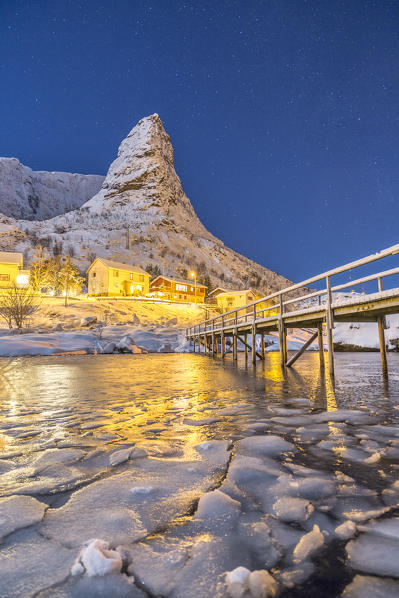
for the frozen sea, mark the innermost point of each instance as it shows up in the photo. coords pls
(159, 475)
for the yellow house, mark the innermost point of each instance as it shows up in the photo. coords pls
(229, 300)
(11, 269)
(106, 277)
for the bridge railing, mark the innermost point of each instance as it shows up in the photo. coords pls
(276, 306)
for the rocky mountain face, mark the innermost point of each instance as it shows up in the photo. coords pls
(32, 195)
(141, 215)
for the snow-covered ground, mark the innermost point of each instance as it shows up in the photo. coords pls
(152, 327)
(90, 326)
(144, 488)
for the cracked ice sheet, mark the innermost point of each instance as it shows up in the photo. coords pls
(111, 509)
(366, 586)
(30, 563)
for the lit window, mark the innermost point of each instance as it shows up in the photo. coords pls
(181, 287)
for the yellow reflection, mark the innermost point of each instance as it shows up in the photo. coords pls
(273, 370)
(330, 395)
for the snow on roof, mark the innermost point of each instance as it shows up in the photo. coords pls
(9, 257)
(119, 266)
(190, 282)
(244, 291)
(218, 290)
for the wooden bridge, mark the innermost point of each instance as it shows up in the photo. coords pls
(316, 310)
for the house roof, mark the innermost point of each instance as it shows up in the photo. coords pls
(227, 293)
(9, 257)
(218, 290)
(119, 266)
(190, 282)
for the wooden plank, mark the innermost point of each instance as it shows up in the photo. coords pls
(302, 349)
(321, 345)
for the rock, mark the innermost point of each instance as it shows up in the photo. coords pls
(127, 345)
(88, 321)
(109, 348)
(31, 195)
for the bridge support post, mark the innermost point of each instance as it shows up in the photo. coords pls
(302, 349)
(282, 335)
(213, 344)
(383, 347)
(253, 343)
(246, 347)
(330, 326)
(321, 346)
(235, 345)
(381, 334)
(262, 346)
(194, 344)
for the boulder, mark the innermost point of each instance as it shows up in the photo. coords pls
(88, 321)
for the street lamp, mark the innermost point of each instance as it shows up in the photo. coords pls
(194, 275)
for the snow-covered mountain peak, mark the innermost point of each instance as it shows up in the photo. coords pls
(141, 215)
(141, 186)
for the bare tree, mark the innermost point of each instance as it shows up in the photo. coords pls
(38, 271)
(17, 305)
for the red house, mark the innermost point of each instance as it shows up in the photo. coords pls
(186, 291)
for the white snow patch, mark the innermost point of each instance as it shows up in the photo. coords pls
(96, 558)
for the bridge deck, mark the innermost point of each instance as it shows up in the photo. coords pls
(306, 311)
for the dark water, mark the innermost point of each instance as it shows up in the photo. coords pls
(167, 398)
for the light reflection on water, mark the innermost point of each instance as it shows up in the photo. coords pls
(129, 394)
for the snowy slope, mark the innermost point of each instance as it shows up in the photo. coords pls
(142, 197)
(32, 195)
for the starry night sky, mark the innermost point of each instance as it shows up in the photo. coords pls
(284, 114)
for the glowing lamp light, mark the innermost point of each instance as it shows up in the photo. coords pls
(22, 279)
